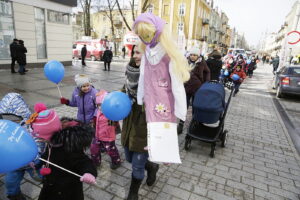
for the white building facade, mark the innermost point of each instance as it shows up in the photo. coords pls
(44, 26)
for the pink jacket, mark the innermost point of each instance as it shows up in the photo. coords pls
(104, 132)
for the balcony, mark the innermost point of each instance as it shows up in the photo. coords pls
(205, 21)
(203, 38)
(118, 23)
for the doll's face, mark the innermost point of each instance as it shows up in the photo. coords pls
(147, 37)
(85, 87)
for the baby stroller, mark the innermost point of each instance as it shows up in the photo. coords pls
(14, 108)
(209, 112)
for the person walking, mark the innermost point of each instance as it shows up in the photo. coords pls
(107, 57)
(275, 63)
(21, 57)
(214, 64)
(13, 54)
(134, 131)
(83, 55)
(124, 51)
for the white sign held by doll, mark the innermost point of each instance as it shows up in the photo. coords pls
(163, 142)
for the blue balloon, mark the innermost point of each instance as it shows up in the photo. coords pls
(116, 106)
(17, 147)
(235, 77)
(54, 71)
(226, 73)
(248, 61)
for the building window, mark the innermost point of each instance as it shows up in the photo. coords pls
(58, 17)
(182, 9)
(180, 27)
(166, 10)
(7, 32)
(150, 8)
(40, 33)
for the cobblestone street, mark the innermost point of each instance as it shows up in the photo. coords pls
(259, 161)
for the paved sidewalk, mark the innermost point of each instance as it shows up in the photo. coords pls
(259, 162)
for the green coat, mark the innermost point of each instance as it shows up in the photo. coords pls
(134, 129)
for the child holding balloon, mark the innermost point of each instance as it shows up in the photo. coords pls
(84, 98)
(105, 136)
(42, 125)
(238, 76)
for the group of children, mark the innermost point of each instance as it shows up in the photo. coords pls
(63, 142)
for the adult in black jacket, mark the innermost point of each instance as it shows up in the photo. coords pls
(67, 150)
(107, 57)
(214, 64)
(83, 55)
(13, 54)
(21, 57)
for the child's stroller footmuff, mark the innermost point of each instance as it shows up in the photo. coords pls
(209, 102)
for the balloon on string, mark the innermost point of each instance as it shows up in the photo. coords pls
(248, 61)
(54, 71)
(17, 147)
(235, 77)
(116, 106)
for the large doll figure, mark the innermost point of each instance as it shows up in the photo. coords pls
(163, 71)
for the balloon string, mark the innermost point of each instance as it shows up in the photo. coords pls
(48, 162)
(59, 90)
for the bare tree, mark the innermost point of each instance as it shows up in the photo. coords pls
(146, 5)
(124, 19)
(132, 4)
(86, 8)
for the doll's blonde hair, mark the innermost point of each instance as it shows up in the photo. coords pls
(179, 62)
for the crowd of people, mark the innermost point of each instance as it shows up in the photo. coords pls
(161, 84)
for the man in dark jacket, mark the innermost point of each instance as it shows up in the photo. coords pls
(107, 57)
(21, 57)
(214, 64)
(83, 55)
(13, 54)
(275, 62)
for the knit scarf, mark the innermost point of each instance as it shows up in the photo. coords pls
(132, 80)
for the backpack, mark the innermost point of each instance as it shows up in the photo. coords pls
(209, 102)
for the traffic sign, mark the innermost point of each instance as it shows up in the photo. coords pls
(292, 37)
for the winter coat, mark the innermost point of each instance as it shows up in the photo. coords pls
(199, 75)
(215, 66)
(107, 55)
(240, 73)
(86, 104)
(61, 185)
(104, 131)
(21, 56)
(13, 49)
(251, 66)
(83, 51)
(134, 129)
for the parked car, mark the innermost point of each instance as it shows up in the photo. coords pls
(287, 81)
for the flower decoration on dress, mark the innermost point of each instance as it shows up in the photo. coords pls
(160, 108)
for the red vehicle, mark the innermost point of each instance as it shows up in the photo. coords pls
(95, 48)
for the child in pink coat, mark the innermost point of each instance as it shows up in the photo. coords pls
(105, 136)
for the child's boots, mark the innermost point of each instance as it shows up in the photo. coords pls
(152, 169)
(134, 189)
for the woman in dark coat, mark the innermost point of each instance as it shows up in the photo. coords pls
(200, 73)
(21, 57)
(214, 64)
(134, 131)
(107, 58)
(67, 150)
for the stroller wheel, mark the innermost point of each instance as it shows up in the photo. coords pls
(213, 149)
(187, 144)
(224, 139)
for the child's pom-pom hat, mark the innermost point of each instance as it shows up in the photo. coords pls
(81, 79)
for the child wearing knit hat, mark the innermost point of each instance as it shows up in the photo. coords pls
(42, 125)
(84, 98)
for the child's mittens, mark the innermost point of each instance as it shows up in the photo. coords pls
(88, 178)
(45, 171)
(64, 101)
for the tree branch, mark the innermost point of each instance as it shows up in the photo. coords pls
(124, 19)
